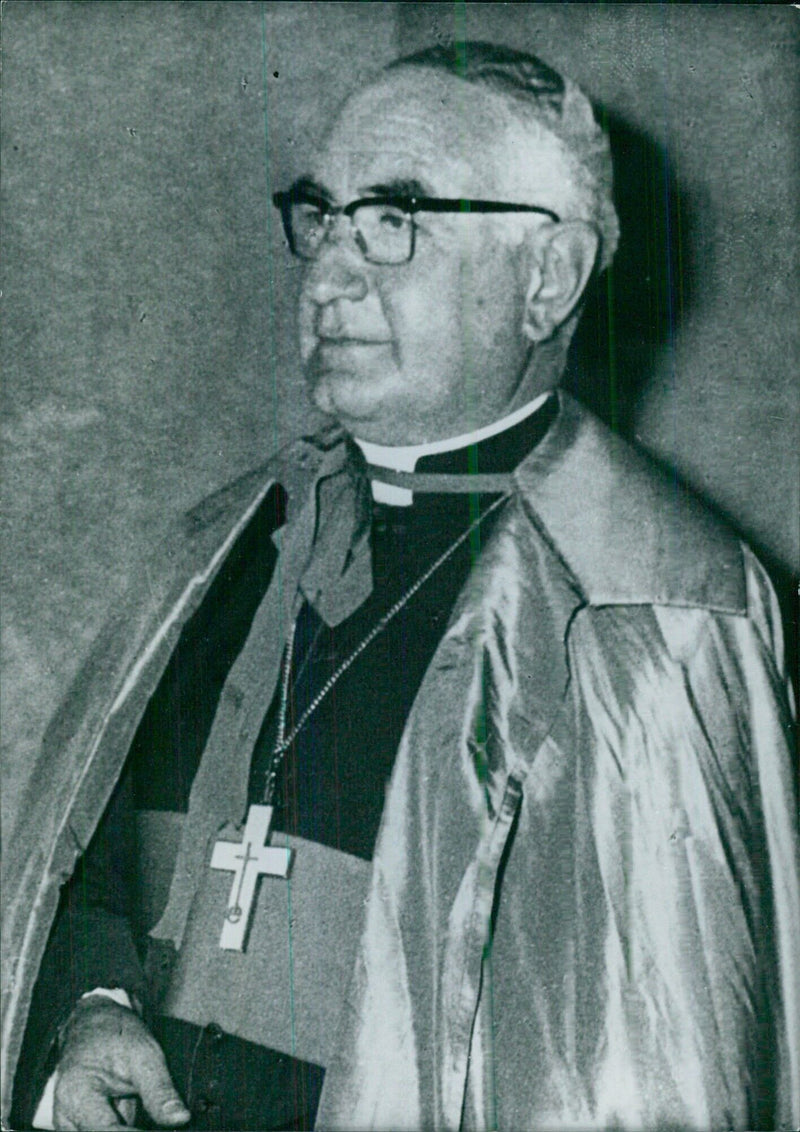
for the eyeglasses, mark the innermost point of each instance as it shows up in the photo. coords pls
(383, 227)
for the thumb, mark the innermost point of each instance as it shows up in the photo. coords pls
(157, 1092)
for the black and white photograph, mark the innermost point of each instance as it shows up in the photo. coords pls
(401, 540)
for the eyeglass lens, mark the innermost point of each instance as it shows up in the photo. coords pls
(383, 231)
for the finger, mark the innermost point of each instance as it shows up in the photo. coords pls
(158, 1095)
(79, 1107)
(126, 1108)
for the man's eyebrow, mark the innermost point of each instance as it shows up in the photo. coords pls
(400, 187)
(397, 187)
(312, 187)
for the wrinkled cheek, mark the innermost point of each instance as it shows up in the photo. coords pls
(423, 322)
(473, 326)
(487, 313)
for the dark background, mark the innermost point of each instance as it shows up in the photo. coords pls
(148, 339)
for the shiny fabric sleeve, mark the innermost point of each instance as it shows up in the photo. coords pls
(92, 945)
(684, 760)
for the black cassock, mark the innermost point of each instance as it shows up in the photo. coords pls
(331, 784)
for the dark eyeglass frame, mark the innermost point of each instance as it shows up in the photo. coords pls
(408, 205)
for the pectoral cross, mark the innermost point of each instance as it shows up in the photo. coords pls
(247, 860)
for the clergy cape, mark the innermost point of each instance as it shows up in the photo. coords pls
(584, 901)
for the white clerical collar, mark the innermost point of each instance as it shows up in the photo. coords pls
(404, 457)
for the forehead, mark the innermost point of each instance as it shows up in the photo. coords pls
(455, 138)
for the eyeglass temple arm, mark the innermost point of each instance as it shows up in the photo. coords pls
(443, 204)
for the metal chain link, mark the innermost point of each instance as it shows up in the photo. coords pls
(282, 741)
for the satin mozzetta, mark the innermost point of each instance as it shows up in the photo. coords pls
(584, 906)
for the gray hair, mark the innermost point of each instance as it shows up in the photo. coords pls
(535, 91)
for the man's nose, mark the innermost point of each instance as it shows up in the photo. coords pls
(339, 271)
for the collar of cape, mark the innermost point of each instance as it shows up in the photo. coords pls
(628, 531)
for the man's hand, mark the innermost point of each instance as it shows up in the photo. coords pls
(108, 1055)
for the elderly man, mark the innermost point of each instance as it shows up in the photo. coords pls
(477, 722)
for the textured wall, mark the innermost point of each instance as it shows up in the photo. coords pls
(702, 362)
(148, 340)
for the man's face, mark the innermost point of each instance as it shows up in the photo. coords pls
(434, 347)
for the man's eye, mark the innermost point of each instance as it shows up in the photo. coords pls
(391, 218)
(309, 214)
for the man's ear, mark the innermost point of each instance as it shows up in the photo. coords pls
(562, 264)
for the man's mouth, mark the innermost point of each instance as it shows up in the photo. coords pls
(344, 340)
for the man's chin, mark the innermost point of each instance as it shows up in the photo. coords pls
(341, 393)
